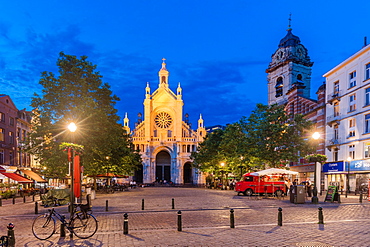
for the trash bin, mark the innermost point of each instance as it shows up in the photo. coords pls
(300, 194)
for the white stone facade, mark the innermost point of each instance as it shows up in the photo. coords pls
(348, 120)
(164, 139)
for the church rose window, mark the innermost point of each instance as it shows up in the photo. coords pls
(163, 120)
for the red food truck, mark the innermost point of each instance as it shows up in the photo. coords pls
(252, 183)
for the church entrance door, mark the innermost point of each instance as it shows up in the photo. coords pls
(187, 174)
(163, 166)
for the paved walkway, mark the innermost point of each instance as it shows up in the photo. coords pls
(205, 220)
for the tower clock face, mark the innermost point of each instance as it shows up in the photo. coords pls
(163, 120)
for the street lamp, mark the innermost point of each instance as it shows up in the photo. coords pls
(348, 164)
(315, 199)
(72, 127)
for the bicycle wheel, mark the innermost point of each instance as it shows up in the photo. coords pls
(84, 225)
(43, 227)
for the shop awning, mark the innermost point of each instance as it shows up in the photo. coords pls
(34, 176)
(16, 177)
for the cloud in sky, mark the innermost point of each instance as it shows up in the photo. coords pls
(217, 50)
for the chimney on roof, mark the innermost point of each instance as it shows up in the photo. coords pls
(365, 41)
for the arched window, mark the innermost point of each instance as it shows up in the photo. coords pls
(279, 87)
(299, 78)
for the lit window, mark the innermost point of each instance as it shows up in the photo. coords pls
(352, 123)
(2, 135)
(279, 87)
(2, 117)
(367, 149)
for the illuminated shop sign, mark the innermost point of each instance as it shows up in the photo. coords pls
(359, 165)
(333, 167)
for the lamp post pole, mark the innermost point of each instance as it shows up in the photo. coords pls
(315, 199)
(348, 165)
(72, 127)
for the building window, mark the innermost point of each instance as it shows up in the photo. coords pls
(352, 133)
(367, 71)
(11, 158)
(351, 153)
(11, 121)
(367, 123)
(336, 87)
(367, 149)
(1, 156)
(335, 154)
(367, 96)
(352, 123)
(2, 135)
(352, 102)
(11, 137)
(352, 79)
(336, 109)
(169, 133)
(2, 117)
(336, 132)
(279, 87)
(155, 133)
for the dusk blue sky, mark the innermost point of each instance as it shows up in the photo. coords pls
(218, 50)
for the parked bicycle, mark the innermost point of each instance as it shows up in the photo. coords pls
(83, 224)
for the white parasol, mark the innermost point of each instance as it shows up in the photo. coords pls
(274, 171)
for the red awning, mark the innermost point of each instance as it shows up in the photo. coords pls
(2, 169)
(34, 176)
(16, 177)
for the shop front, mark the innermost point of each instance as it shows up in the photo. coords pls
(361, 174)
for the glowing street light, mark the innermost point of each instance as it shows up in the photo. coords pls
(72, 127)
(315, 199)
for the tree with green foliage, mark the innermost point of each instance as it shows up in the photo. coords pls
(267, 137)
(78, 95)
(277, 138)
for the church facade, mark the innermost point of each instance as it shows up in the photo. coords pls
(164, 136)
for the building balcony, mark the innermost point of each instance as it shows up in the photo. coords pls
(333, 143)
(335, 96)
(335, 118)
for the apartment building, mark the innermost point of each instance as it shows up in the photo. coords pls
(348, 122)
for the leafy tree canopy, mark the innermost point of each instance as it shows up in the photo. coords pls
(78, 95)
(267, 137)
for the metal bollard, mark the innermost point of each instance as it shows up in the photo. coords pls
(63, 228)
(280, 217)
(106, 205)
(1, 202)
(360, 197)
(33, 197)
(339, 198)
(36, 208)
(232, 220)
(142, 204)
(14, 199)
(24, 199)
(11, 237)
(88, 199)
(125, 223)
(321, 216)
(173, 203)
(179, 221)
